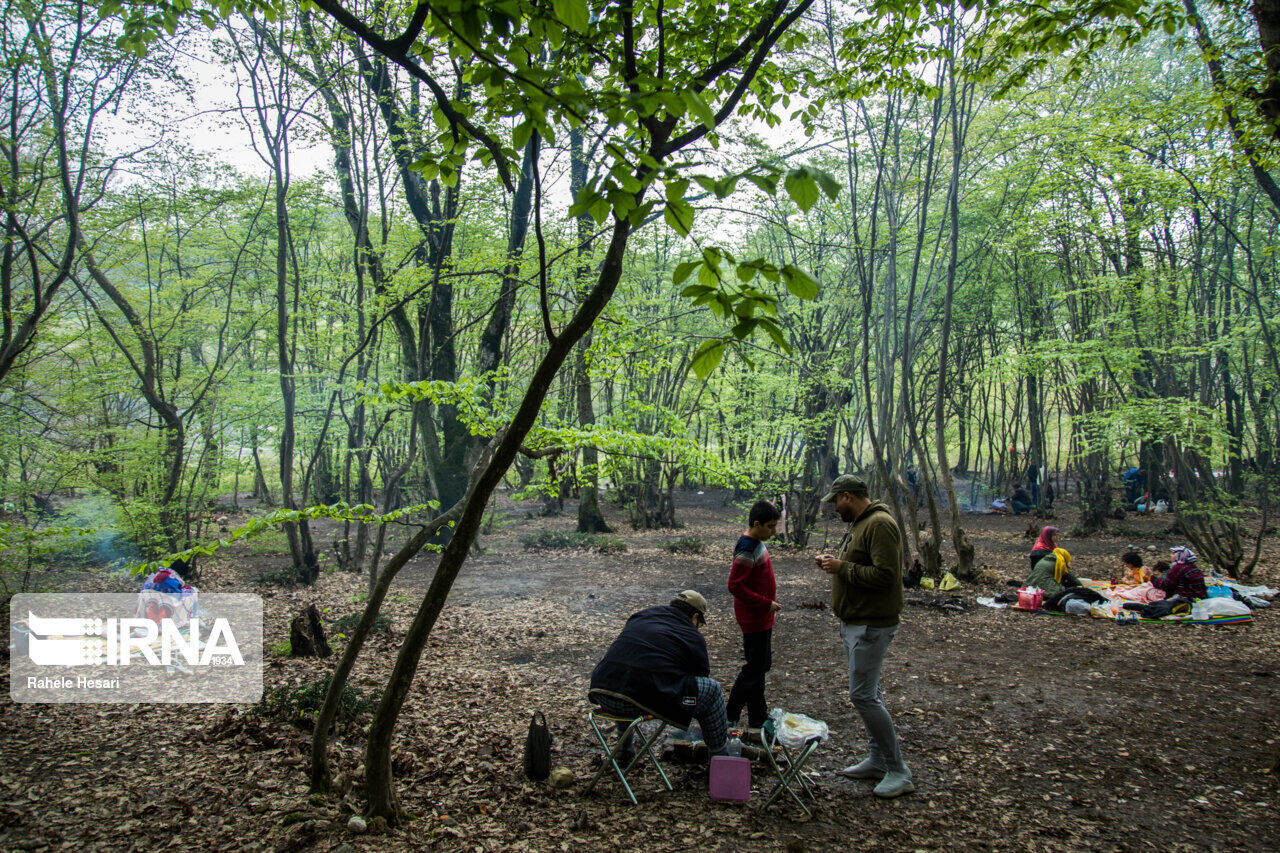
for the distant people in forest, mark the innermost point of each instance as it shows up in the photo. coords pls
(1047, 503)
(1134, 485)
(1163, 503)
(754, 590)
(1033, 481)
(1184, 578)
(1045, 544)
(1020, 500)
(1053, 573)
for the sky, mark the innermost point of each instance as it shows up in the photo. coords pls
(206, 120)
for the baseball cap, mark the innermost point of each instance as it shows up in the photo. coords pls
(846, 483)
(694, 599)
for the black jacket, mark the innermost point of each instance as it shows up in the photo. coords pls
(654, 664)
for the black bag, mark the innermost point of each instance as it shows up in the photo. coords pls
(1058, 603)
(537, 749)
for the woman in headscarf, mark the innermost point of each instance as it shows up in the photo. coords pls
(1184, 578)
(1045, 544)
(1052, 573)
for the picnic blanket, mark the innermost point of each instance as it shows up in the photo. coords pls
(1216, 610)
(1212, 620)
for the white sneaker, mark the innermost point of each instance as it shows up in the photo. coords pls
(894, 784)
(867, 768)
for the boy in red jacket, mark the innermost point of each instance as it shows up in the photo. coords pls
(754, 589)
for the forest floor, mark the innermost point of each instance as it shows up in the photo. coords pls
(1024, 732)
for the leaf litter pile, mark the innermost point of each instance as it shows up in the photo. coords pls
(1023, 732)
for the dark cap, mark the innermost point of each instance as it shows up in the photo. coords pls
(846, 483)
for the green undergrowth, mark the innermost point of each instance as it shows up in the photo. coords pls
(551, 540)
(298, 704)
(685, 545)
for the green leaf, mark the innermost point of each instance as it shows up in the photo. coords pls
(679, 215)
(800, 283)
(520, 136)
(725, 188)
(775, 333)
(428, 169)
(767, 183)
(599, 210)
(586, 198)
(707, 358)
(709, 275)
(827, 181)
(699, 109)
(683, 271)
(573, 13)
(802, 188)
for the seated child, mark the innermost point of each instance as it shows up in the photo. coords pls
(1132, 572)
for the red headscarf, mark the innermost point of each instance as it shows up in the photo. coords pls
(1045, 542)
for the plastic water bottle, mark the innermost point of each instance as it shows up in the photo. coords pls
(733, 747)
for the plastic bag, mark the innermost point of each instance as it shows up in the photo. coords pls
(795, 730)
(1207, 608)
(537, 749)
(948, 582)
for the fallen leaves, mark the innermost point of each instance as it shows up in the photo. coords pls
(1022, 732)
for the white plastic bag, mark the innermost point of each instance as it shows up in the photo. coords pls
(1259, 591)
(795, 730)
(1207, 608)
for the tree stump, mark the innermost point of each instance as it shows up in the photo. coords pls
(306, 635)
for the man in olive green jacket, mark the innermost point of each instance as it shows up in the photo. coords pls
(866, 595)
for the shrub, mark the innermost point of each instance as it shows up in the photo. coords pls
(347, 624)
(552, 540)
(609, 545)
(299, 704)
(277, 577)
(685, 545)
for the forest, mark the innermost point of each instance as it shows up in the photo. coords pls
(583, 261)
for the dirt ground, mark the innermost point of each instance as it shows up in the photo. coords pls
(1024, 732)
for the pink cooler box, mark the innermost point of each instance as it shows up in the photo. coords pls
(730, 779)
(1030, 600)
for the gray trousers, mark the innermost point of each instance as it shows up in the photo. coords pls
(865, 647)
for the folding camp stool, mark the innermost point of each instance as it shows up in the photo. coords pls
(791, 776)
(601, 720)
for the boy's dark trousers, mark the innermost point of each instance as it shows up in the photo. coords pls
(748, 689)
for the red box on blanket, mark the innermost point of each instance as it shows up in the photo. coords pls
(1030, 599)
(730, 779)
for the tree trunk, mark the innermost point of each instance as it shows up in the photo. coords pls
(590, 518)
(379, 784)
